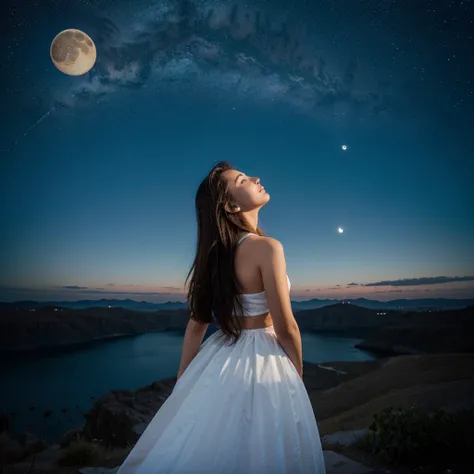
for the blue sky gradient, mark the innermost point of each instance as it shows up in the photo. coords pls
(97, 199)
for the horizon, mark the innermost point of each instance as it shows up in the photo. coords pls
(292, 300)
(422, 288)
(364, 146)
(418, 288)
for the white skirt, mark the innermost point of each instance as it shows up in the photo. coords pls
(237, 409)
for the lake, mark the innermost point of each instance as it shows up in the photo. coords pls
(68, 381)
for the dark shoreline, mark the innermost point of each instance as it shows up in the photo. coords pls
(64, 348)
(384, 350)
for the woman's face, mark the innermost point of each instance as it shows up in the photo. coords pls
(246, 191)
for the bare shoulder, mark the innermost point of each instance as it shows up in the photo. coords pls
(267, 247)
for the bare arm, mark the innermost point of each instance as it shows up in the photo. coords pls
(193, 337)
(273, 269)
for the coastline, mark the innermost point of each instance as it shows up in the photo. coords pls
(382, 349)
(61, 347)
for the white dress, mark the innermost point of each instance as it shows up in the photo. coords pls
(236, 409)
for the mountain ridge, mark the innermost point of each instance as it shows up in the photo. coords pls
(314, 303)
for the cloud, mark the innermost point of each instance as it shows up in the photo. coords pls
(352, 284)
(389, 291)
(421, 281)
(252, 53)
(101, 291)
(144, 293)
(83, 290)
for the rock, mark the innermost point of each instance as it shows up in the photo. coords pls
(339, 464)
(345, 438)
(70, 436)
(120, 417)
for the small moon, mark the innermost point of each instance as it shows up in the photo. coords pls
(340, 230)
(73, 52)
(344, 147)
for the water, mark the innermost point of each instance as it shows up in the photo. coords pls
(324, 348)
(69, 381)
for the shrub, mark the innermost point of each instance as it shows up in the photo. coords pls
(418, 437)
(81, 452)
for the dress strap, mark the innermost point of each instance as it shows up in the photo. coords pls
(244, 237)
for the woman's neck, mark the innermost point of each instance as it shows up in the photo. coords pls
(252, 218)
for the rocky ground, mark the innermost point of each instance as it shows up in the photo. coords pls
(345, 396)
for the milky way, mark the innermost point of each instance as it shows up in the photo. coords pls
(242, 50)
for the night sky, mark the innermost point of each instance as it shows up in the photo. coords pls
(99, 172)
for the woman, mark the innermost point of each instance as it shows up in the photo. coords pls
(239, 405)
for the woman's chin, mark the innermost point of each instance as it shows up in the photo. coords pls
(262, 200)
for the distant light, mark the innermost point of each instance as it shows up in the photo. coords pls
(344, 147)
(340, 230)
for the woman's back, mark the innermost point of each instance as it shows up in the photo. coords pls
(248, 270)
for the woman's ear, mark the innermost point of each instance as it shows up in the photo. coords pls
(232, 208)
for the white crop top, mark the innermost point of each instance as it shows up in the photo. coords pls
(254, 304)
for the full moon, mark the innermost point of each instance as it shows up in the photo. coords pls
(344, 147)
(73, 52)
(340, 230)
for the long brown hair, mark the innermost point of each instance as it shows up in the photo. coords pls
(213, 286)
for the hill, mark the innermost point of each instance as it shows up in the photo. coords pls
(445, 331)
(46, 327)
(51, 326)
(435, 380)
(395, 332)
